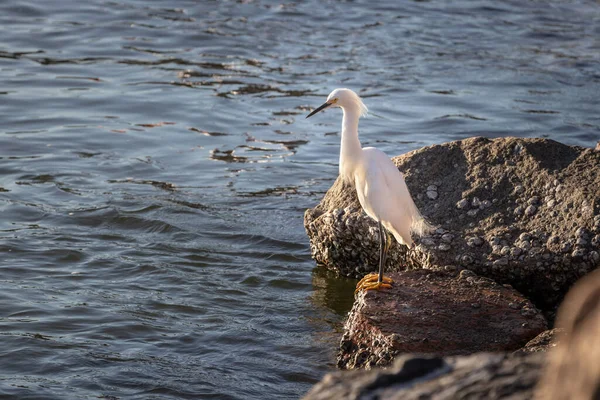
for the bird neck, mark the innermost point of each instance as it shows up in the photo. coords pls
(351, 150)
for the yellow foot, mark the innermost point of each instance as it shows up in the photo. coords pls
(369, 282)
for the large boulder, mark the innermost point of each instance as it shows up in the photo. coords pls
(525, 212)
(436, 312)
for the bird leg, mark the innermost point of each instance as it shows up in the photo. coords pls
(378, 281)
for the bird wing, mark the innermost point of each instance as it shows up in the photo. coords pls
(385, 196)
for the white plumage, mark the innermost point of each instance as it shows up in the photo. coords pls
(381, 189)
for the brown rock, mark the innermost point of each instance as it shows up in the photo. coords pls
(436, 312)
(573, 371)
(543, 342)
(480, 376)
(519, 211)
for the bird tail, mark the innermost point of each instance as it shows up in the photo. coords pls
(418, 226)
(421, 226)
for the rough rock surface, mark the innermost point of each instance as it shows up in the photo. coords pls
(543, 342)
(436, 312)
(570, 370)
(520, 211)
(480, 376)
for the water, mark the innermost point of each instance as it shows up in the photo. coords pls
(155, 164)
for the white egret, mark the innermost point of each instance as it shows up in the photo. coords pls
(380, 186)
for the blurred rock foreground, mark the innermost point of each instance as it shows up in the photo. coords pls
(518, 223)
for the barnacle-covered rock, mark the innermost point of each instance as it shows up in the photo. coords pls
(536, 198)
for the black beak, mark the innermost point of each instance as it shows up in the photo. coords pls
(322, 107)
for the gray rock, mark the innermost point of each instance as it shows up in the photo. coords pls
(502, 261)
(525, 236)
(530, 210)
(519, 189)
(444, 247)
(578, 253)
(566, 247)
(485, 169)
(428, 242)
(520, 210)
(448, 237)
(462, 204)
(431, 194)
(473, 212)
(417, 377)
(474, 241)
(582, 233)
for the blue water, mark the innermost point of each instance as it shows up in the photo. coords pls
(155, 165)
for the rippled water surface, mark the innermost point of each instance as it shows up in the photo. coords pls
(155, 164)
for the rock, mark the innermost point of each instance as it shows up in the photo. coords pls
(569, 370)
(473, 212)
(543, 342)
(484, 169)
(416, 377)
(530, 210)
(474, 241)
(444, 247)
(433, 312)
(463, 203)
(502, 261)
(573, 371)
(447, 237)
(432, 194)
(519, 189)
(525, 236)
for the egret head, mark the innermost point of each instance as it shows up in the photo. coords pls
(344, 98)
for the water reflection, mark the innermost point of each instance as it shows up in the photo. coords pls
(332, 292)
